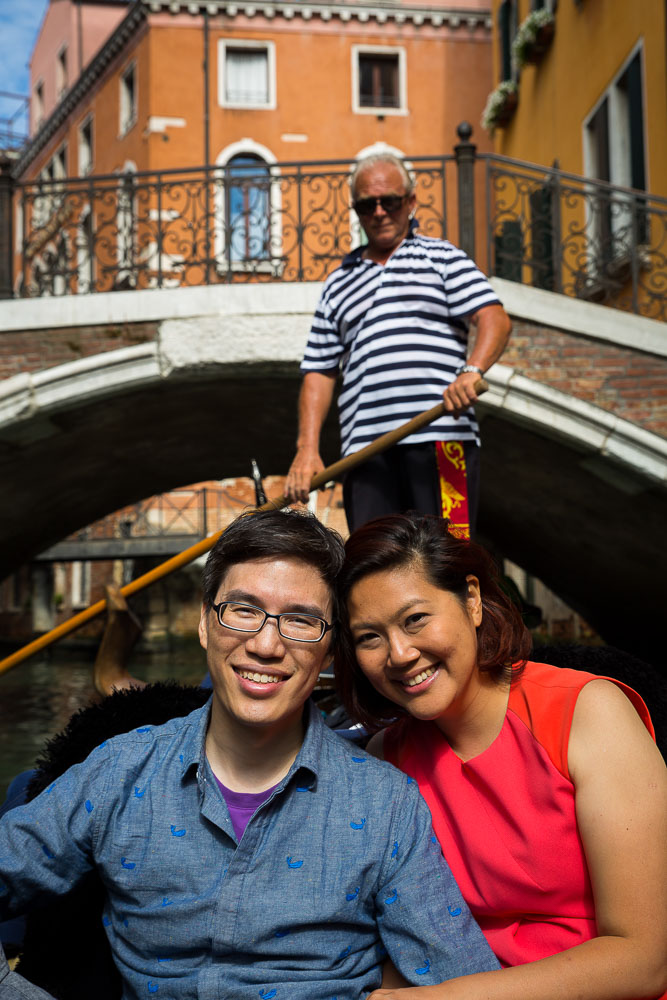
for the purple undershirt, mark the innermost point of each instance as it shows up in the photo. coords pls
(242, 805)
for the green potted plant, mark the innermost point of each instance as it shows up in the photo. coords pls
(500, 106)
(533, 37)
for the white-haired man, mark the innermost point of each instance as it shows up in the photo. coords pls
(395, 317)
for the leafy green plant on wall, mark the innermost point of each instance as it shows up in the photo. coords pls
(533, 37)
(500, 105)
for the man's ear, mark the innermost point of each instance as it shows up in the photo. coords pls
(203, 626)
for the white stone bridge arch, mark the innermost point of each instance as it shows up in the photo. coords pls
(571, 491)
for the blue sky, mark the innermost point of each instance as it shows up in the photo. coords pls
(20, 21)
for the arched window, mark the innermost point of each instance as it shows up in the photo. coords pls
(247, 212)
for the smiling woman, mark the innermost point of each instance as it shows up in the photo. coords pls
(512, 757)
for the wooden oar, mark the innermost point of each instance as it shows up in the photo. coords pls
(164, 569)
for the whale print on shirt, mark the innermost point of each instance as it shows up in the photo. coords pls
(293, 864)
(424, 969)
(89, 806)
(392, 899)
(352, 895)
(267, 994)
(358, 826)
(177, 833)
(454, 911)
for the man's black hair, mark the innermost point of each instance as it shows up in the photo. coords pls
(270, 534)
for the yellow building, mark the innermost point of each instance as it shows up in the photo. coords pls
(594, 101)
(581, 92)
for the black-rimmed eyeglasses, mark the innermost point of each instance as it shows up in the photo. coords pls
(390, 204)
(291, 624)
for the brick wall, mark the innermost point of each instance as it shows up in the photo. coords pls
(36, 350)
(630, 384)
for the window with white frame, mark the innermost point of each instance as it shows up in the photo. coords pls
(126, 228)
(86, 147)
(128, 98)
(246, 74)
(248, 205)
(61, 72)
(85, 258)
(379, 80)
(614, 151)
(38, 107)
(248, 208)
(80, 584)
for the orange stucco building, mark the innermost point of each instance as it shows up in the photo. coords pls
(170, 86)
(244, 90)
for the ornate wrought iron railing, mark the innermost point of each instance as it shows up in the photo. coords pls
(585, 238)
(293, 222)
(288, 222)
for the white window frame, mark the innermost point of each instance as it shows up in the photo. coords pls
(126, 220)
(250, 148)
(85, 273)
(80, 583)
(127, 116)
(619, 158)
(380, 50)
(62, 71)
(85, 169)
(38, 94)
(258, 45)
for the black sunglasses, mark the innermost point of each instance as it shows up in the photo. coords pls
(390, 204)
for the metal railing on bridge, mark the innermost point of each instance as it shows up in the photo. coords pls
(252, 221)
(158, 526)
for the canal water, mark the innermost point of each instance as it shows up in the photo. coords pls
(38, 697)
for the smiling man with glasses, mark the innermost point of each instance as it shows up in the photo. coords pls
(394, 317)
(246, 850)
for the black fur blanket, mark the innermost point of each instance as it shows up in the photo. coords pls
(65, 948)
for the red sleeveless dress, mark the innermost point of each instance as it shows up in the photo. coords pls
(506, 819)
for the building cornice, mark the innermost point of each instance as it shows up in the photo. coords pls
(344, 10)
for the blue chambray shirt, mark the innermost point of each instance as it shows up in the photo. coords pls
(337, 868)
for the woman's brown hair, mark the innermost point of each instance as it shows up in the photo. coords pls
(503, 642)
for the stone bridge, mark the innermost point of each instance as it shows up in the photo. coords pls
(109, 398)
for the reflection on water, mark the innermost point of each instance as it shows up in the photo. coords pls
(38, 697)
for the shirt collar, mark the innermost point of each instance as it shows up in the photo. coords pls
(308, 757)
(194, 738)
(354, 258)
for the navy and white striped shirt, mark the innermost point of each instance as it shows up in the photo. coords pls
(399, 332)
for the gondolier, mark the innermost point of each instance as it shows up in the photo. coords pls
(395, 317)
